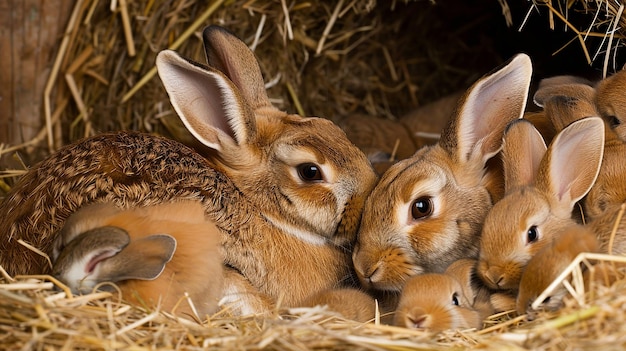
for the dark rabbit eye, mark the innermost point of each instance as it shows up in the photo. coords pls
(532, 234)
(455, 299)
(310, 172)
(614, 121)
(422, 207)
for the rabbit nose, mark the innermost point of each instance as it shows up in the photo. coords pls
(417, 320)
(369, 274)
(494, 277)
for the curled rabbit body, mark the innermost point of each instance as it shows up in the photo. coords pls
(545, 266)
(155, 254)
(440, 301)
(427, 211)
(285, 191)
(542, 187)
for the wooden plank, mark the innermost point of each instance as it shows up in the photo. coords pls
(30, 32)
(6, 72)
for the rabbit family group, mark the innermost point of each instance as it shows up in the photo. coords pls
(276, 210)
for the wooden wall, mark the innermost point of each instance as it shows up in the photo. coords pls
(30, 33)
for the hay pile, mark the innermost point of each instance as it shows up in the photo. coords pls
(39, 313)
(318, 58)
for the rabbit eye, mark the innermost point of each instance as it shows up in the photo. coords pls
(455, 299)
(532, 234)
(422, 207)
(310, 172)
(614, 121)
(546, 300)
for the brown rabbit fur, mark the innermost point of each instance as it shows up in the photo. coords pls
(352, 304)
(427, 211)
(285, 191)
(610, 100)
(549, 262)
(542, 187)
(377, 137)
(444, 301)
(567, 103)
(195, 266)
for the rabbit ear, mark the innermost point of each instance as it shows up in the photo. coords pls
(522, 151)
(564, 104)
(226, 53)
(208, 103)
(572, 163)
(142, 259)
(475, 132)
(85, 251)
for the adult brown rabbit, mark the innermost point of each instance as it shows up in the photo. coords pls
(285, 191)
(427, 211)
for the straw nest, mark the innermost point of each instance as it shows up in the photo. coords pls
(39, 313)
(318, 58)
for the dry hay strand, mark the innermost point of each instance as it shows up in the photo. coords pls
(604, 20)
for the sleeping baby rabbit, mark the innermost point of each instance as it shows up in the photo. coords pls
(155, 254)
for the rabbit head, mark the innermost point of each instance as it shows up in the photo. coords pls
(542, 187)
(427, 210)
(305, 168)
(441, 301)
(548, 263)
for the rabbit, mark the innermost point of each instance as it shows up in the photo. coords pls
(608, 97)
(285, 191)
(542, 186)
(426, 122)
(377, 137)
(386, 141)
(610, 100)
(441, 301)
(548, 263)
(567, 103)
(156, 254)
(427, 211)
(351, 303)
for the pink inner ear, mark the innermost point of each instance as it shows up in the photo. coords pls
(93, 262)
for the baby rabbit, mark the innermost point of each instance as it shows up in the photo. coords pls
(437, 301)
(427, 211)
(567, 103)
(542, 187)
(156, 254)
(548, 263)
(286, 192)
